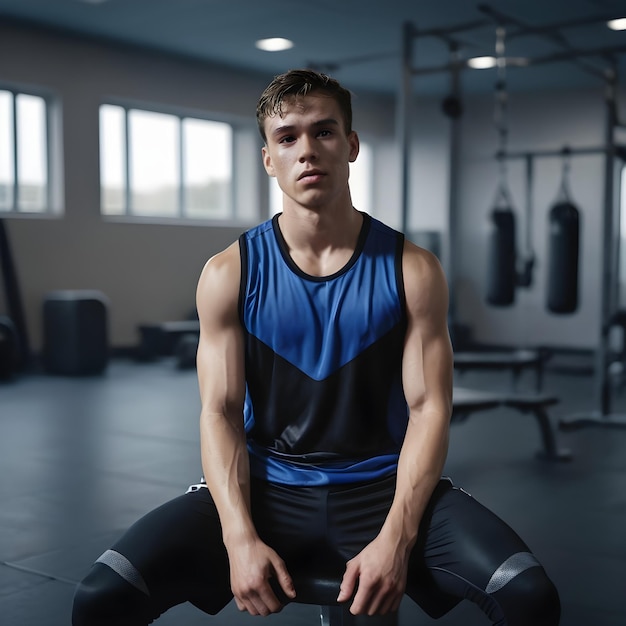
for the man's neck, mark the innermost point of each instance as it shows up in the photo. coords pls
(320, 242)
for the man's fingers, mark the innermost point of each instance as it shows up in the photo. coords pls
(262, 602)
(268, 602)
(284, 579)
(362, 600)
(375, 598)
(348, 583)
(286, 584)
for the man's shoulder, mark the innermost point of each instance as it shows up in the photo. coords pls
(259, 230)
(223, 265)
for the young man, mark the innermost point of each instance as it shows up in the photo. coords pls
(325, 373)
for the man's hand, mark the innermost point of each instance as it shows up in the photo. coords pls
(380, 571)
(252, 565)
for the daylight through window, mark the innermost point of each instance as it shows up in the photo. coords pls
(24, 185)
(161, 165)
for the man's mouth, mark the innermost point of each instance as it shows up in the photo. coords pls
(311, 175)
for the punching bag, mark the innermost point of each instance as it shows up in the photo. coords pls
(563, 252)
(501, 269)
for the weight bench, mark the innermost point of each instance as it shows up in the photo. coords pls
(468, 401)
(322, 588)
(163, 339)
(514, 360)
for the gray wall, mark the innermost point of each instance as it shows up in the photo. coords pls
(149, 271)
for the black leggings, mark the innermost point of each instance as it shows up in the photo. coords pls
(175, 554)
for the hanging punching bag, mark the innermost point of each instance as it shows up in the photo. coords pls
(501, 270)
(563, 250)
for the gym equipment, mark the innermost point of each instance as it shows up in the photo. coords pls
(75, 334)
(468, 401)
(501, 270)
(453, 38)
(186, 350)
(502, 267)
(162, 339)
(322, 588)
(506, 269)
(9, 353)
(514, 360)
(563, 244)
(603, 415)
(21, 345)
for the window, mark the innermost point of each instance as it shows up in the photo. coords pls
(24, 172)
(361, 175)
(162, 165)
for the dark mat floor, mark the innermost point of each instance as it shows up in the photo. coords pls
(82, 458)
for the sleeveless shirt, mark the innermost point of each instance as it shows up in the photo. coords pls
(323, 356)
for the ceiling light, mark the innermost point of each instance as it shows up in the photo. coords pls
(618, 24)
(482, 63)
(274, 44)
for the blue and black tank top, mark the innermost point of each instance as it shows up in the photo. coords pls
(324, 401)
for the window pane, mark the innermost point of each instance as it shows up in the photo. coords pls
(361, 179)
(207, 168)
(276, 196)
(31, 153)
(112, 160)
(6, 151)
(154, 164)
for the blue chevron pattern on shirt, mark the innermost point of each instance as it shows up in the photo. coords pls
(323, 358)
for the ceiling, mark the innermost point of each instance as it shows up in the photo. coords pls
(357, 41)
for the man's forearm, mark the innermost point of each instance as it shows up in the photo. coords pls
(227, 473)
(421, 463)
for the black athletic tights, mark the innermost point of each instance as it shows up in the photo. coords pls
(175, 554)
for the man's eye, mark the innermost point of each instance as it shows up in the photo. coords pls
(287, 139)
(324, 133)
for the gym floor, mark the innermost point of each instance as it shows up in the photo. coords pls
(82, 458)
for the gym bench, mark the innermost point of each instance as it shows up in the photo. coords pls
(468, 401)
(514, 360)
(158, 340)
(322, 588)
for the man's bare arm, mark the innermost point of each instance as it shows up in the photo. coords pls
(427, 380)
(221, 377)
(381, 568)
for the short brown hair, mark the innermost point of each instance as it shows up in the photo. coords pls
(301, 83)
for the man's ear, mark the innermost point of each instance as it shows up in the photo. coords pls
(267, 161)
(353, 141)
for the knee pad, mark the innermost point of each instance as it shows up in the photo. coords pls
(529, 599)
(104, 598)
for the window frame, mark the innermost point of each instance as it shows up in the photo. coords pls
(51, 184)
(180, 113)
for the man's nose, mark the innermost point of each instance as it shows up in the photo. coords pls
(308, 148)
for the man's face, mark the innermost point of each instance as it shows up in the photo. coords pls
(308, 151)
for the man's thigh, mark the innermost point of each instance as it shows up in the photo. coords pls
(179, 553)
(461, 546)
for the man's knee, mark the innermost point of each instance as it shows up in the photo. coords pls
(105, 598)
(530, 599)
